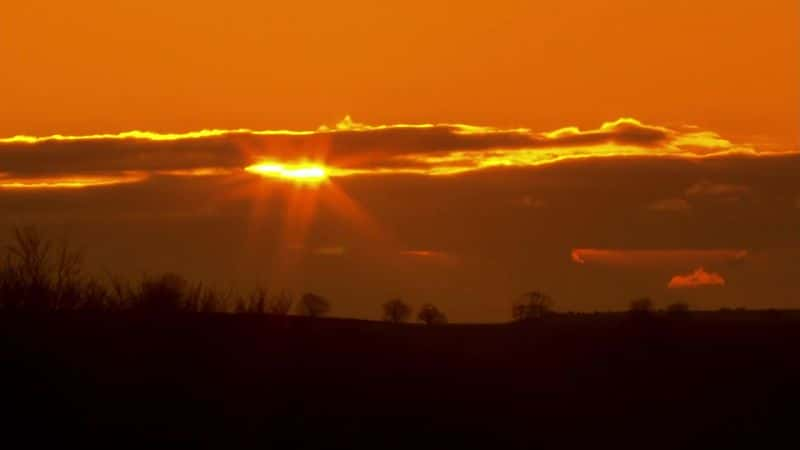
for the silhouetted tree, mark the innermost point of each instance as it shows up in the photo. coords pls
(396, 311)
(313, 305)
(121, 292)
(280, 304)
(96, 297)
(201, 298)
(35, 274)
(9, 286)
(532, 305)
(678, 309)
(255, 303)
(67, 284)
(430, 315)
(27, 269)
(641, 307)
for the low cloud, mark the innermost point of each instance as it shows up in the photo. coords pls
(698, 278)
(350, 148)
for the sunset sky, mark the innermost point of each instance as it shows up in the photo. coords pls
(455, 153)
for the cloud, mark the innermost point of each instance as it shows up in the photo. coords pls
(698, 278)
(620, 257)
(709, 189)
(350, 148)
(670, 205)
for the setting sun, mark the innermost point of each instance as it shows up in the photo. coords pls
(300, 173)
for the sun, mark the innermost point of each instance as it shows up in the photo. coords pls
(300, 173)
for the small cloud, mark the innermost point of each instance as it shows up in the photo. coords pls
(709, 189)
(670, 205)
(695, 279)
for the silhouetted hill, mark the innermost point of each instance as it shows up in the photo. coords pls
(569, 381)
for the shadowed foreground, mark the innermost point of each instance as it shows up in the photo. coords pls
(605, 381)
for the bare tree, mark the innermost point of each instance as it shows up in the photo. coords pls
(396, 311)
(28, 268)
(430, 315)
(313, 305)
(30, 253)
(122, 294)
(10, 285)
(38, 275)
(68, 283)
(532, 305)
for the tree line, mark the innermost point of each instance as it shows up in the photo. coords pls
(537, 305)
(41, 274)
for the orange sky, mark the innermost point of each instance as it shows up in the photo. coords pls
(89, 66)
(597, 150)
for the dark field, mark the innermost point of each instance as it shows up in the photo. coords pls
(585, 381)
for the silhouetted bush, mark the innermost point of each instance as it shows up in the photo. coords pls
(259, 301)
(678, 310)
(280, 304)
(254, 303)
(430, 315)
(165, 293)
(313, 305)
(641, 307)
(200, 298)
(396, 311)
(532, 305)
(96, 297)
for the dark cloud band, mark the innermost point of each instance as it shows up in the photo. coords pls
(349, 149)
